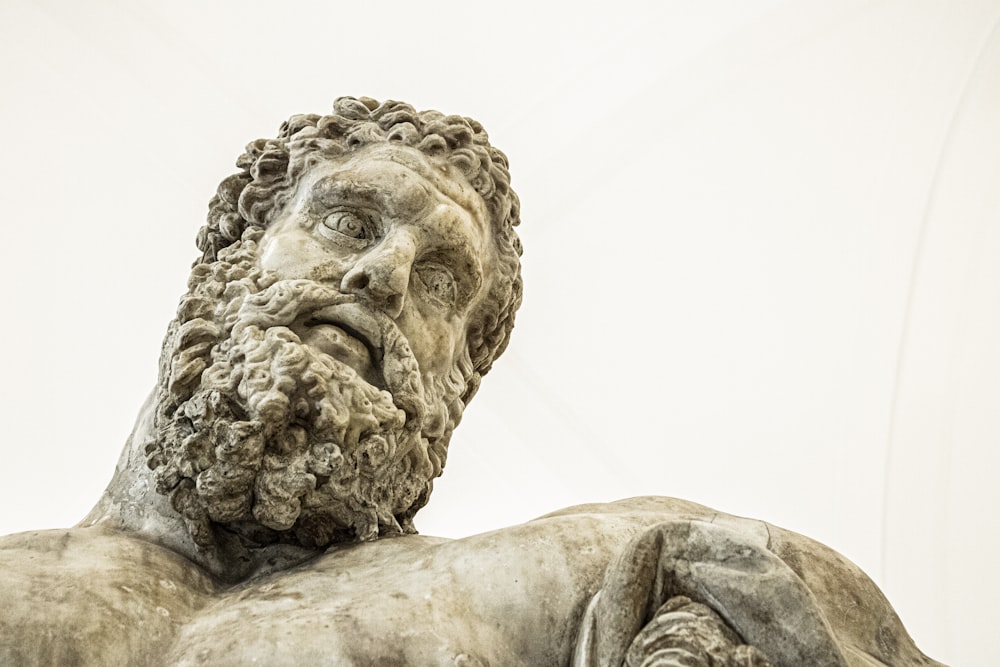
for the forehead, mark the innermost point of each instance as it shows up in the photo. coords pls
(399, 178)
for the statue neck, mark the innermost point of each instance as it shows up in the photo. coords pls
(131, 505)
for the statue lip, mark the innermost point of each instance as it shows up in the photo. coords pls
(342, 331)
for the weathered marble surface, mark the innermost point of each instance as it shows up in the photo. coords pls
(512, 597)
(359, 276)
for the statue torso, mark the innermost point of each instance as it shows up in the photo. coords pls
(509, 597)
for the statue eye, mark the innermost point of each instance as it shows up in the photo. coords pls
(347, 226)
(438, 283)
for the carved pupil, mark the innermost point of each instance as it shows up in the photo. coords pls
(347, 224)
(439, 283)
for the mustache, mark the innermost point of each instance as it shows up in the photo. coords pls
(286, 302)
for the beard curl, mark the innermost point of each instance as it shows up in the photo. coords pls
(265, 436)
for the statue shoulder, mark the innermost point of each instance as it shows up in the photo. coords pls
(92, 596)
(656, 508)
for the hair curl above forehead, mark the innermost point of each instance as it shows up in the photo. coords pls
(270, 170)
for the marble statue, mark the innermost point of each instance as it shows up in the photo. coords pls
(358, 277)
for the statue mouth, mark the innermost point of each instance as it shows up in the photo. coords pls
(348, 334)
(338, 326)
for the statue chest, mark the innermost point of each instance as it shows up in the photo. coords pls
(401, 602)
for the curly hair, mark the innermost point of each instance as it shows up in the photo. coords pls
(270, 170)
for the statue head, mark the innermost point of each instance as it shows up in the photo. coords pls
(358, 277)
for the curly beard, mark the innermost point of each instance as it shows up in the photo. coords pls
(276, 440)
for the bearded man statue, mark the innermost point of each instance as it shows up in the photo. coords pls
(358, 277)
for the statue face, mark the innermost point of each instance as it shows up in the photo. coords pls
(404, 235)
(315, 373)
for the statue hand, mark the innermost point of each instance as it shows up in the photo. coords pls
(643, 615)
(683, 633)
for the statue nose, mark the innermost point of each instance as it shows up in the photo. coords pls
(382, 275)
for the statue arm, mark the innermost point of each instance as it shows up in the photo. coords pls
(691, 593)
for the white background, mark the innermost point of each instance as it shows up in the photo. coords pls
(762, 253)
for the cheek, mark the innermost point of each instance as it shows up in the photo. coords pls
(435, 342)
(290, 254)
